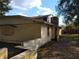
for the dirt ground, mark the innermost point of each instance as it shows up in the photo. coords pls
(63, 49)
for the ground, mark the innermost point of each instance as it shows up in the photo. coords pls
(63, 49)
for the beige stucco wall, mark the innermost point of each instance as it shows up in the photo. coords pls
(60, 32)
(24, 32)
(44, 34)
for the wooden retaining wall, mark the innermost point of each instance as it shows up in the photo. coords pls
(24, 55)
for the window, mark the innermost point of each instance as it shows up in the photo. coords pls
(7, 30)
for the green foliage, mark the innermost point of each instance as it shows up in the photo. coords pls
(69, 9)
(4, 7)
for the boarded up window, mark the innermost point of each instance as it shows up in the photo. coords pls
(7, 30)
(48, 31)
(45, 18)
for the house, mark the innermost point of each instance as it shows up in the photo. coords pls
(20, 29)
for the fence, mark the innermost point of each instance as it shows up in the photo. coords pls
(70, 31)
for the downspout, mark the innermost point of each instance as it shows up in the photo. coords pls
(55, 34)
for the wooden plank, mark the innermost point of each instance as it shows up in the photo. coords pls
(4, 53)
(26, 55)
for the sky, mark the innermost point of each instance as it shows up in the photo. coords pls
(33, 8)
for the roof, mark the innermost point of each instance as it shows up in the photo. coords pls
(40, 16)
(18, 19)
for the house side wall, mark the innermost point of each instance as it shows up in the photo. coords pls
(45, 37)
(23, 32)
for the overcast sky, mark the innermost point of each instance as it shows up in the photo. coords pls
(33, 7)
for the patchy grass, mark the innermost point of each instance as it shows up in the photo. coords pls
(66, 48)
(59, 50)
(70, 36)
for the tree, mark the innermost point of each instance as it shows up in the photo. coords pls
(4, 7)
(70, 11)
